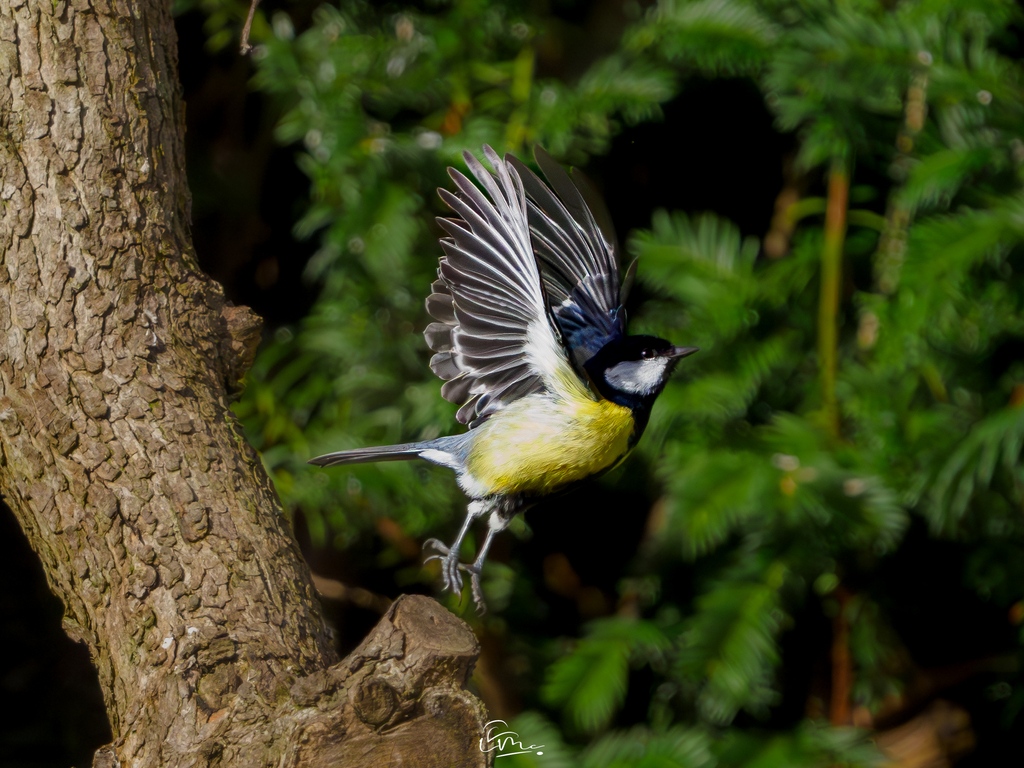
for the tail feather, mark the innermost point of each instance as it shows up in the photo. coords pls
(403, 452)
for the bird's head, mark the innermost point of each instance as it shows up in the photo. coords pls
(633, 370)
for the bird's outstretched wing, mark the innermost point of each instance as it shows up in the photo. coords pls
(494, 338)
(576, 247)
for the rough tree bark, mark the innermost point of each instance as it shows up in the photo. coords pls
(155, 522)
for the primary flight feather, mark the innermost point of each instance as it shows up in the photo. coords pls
(530, 340)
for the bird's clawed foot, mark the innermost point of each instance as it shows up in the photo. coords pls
(449, 564)
(450, 567)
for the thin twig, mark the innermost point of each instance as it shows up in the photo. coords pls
(892, 245)
(364, 598)
(842, 663)
(831, 276)
(244, 46)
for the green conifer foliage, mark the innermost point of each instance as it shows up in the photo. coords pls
(858, 387)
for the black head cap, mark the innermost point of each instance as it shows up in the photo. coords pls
(633, 370)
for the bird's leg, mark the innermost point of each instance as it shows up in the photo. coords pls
(449, 556)
(502, 509)
(475, 569)
(502, 512)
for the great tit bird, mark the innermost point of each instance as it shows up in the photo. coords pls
(530, 339)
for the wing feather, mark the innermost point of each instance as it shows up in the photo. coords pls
(577, 251)
(489, 305)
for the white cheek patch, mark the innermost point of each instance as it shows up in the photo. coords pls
(638, 377)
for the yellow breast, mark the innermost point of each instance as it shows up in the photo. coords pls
(542, 443)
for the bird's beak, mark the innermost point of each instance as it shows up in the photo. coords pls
(677, 353)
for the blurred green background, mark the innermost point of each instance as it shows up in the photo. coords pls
(816, 555)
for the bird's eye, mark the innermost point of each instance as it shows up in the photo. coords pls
(647, 354)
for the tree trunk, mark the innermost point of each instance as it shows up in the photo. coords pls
(154, 520)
